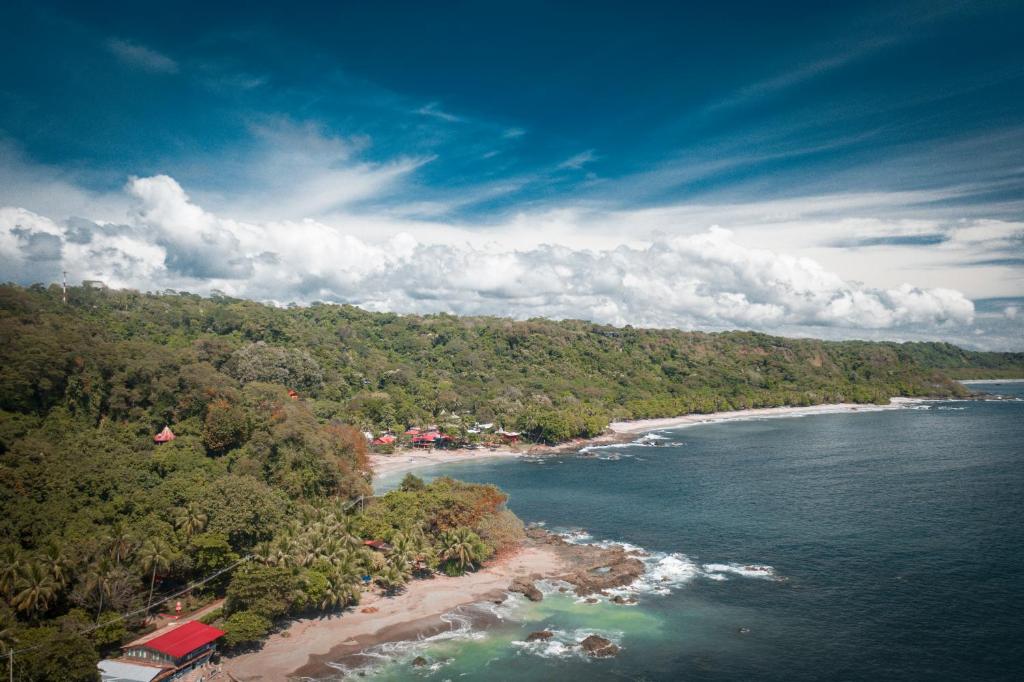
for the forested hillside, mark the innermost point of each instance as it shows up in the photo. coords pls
(152, 360)
(97, 517)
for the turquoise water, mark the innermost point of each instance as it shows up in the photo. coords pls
(894, 542)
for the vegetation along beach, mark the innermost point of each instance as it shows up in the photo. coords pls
(505, 342)
(261, 504)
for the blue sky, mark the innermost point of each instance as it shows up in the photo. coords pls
(881, 142)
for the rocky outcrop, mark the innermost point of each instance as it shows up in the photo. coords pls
(599, 647)
(526, 587)
(594, 568)
(419, 662)
(625, 601)
(540, 636)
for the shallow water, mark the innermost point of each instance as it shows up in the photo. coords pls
(893, 538)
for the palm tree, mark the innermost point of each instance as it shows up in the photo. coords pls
(97, 581)
(11, 560)
(122, 543)
(348, 533)
(155, 555)
(190, 520)
(36, 588)
(461, 548)
(391, 578)
(57, 564)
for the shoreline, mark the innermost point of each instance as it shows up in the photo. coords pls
(991, 381)
(304, 647)
(618, 432)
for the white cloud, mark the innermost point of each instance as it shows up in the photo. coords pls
(578, 161)
(434, 111)
(142, 57)
(703, 280)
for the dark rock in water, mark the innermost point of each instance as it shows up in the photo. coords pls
(599, 647)
(619, 599)
(526, 588)
(590, 600)
(419, 662)
(541, 635)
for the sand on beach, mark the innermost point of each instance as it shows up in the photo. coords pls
(407, 460)
(645, 425)
(308, 641)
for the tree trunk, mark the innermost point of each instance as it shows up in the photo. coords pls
(149, 602)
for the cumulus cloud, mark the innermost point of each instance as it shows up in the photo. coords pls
(704, 280)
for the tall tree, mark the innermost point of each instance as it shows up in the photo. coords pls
(154, 555)
(36, 589)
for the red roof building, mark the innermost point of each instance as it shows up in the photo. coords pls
(165, 436)
(425, 440)
(184, 639)
(169, 652)
(386, 439)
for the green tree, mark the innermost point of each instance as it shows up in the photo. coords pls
(190, 520)
(268, 591)
(35, 589)
(461, 549)
(52, 654)
(243, 627)
(154, 555)
(225, 426)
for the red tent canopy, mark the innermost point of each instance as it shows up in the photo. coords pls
(184, 639)
(412, 431)
(165, 436)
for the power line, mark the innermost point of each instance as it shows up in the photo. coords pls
(123, 616)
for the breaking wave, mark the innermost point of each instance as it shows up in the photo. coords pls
(565, 644)
(666, 571)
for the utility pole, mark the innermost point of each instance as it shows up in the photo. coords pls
(64, 296)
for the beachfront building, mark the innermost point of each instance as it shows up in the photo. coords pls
(180, 652)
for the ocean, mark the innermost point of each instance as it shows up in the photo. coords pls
(875, 545)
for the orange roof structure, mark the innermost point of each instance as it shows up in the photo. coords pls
(165, 436)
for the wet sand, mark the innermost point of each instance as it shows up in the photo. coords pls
(303, 647)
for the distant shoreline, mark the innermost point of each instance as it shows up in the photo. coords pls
(618, 432)
(991, 381)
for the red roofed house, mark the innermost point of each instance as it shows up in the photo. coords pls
(170, 653)
(425, 440)
(165, 436)
(386, 439)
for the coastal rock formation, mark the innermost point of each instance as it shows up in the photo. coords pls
(599, 647)
(540, 635)
(625, 601)
(419, 662)
(526, 587)
(594, 568)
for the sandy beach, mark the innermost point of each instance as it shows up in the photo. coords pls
(646, 425)
(306, 643)
(409, 460)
